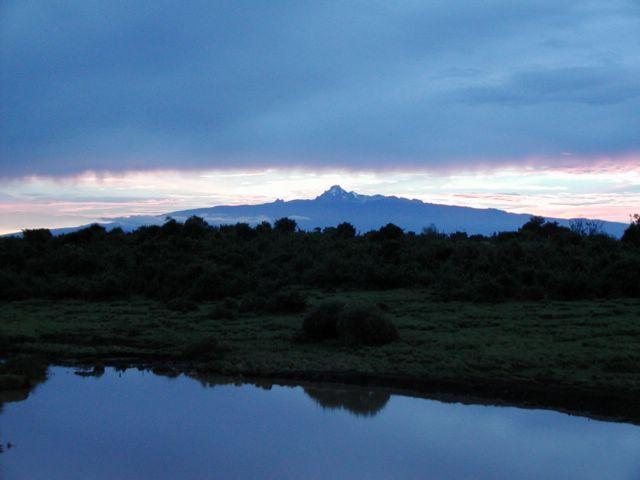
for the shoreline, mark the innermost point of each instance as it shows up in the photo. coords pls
(619, 408)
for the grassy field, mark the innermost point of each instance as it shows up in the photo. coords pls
(578, 356)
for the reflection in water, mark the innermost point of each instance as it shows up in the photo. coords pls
(137, 425)
(360, 402)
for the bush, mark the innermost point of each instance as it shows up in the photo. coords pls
(321, 323)
(366, 326)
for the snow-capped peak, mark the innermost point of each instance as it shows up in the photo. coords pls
(336, 192)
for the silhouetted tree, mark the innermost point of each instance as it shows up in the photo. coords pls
(534, 225)
(87, 234)
(199, 262)
(195, 227)
(632, 233)
(585, 227)
(263, 227)
(285, 225)
(39, 235)
(245, 232)
(345, 230)
(389, 232)
(171, 227)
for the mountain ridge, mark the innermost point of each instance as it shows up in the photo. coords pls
(366, 212)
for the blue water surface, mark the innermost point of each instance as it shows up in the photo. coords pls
(137, 425)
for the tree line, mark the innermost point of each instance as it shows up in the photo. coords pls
(199, 262)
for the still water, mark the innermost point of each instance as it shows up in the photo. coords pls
(137, 425)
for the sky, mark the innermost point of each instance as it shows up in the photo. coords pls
(111, 108)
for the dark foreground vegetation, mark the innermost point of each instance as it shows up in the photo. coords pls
(581, 356)
(196, 262)
(545, 316)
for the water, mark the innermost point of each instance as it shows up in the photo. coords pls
(137, 425)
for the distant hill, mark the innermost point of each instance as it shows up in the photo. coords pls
(365, 212)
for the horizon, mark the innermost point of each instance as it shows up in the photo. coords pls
(318, 195)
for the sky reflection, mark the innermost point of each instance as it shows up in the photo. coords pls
(144, 426)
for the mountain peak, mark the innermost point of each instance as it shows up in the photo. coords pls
(336, 192)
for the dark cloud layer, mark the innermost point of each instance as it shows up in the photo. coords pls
(360, 84)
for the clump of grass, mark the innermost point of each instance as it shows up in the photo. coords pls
(366, 326)
(353, 325)
(321, 322)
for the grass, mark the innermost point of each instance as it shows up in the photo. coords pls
(581, 356)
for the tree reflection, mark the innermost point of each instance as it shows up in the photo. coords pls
(360, 402)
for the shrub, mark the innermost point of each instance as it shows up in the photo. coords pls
(366, 326)
(321, 322)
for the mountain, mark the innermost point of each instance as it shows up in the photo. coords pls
(365, 212)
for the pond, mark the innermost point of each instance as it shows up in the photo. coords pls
(138, 425)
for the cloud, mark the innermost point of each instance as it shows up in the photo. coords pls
(111, 86)
(581, 85)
